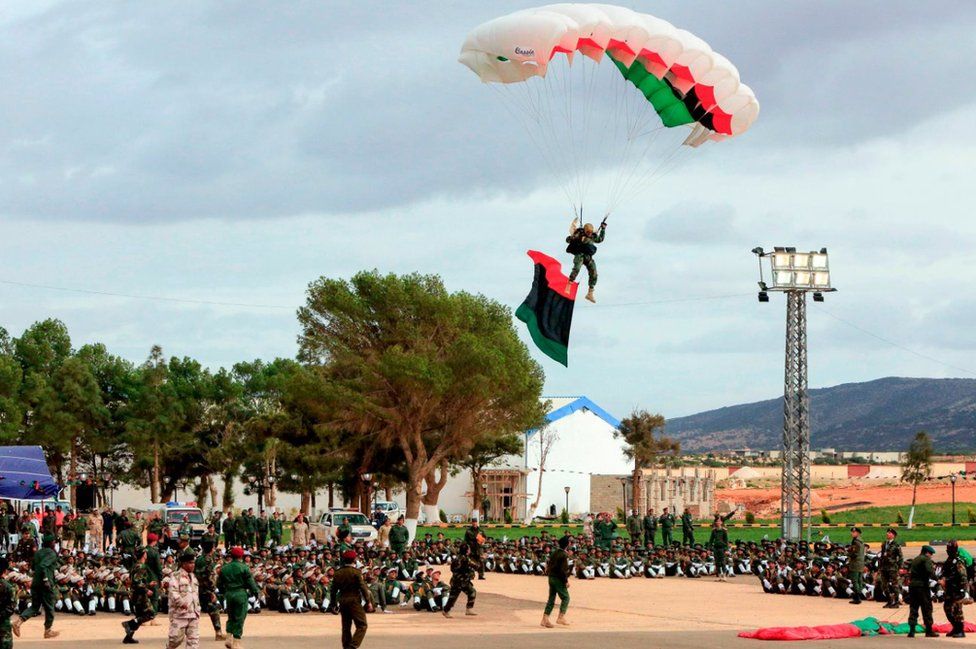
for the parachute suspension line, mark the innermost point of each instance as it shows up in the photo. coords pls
(521, 108)
(666, 166)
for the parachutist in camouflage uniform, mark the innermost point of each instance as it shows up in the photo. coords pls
(955, 584)
(462, 572)
(582, 245)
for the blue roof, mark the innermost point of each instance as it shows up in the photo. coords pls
(582, 403)
(20, 468)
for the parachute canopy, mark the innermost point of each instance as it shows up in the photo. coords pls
(600, 88)
(678, 73)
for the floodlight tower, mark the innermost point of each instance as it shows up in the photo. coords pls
(796, 274)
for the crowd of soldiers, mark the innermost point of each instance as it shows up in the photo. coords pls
(127, 576)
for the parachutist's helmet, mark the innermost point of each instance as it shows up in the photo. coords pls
(588, 228)
(952, 548)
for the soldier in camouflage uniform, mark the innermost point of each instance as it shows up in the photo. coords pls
(955, 584)
(184, 605)
(891, 560)
(205, 568)
(462, 572)
(8, 606)
(143, 588)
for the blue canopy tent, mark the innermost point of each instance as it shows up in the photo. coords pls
(24, 474)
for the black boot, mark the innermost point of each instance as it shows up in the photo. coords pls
(129, 630)
(929, 633)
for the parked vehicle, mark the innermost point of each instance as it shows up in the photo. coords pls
(327, 525)
(173, 517)
(390, 509)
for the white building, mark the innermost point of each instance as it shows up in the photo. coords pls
(584, 444)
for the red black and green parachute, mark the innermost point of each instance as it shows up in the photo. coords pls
(548, 309)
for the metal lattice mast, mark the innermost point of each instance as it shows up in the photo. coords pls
(795, 505)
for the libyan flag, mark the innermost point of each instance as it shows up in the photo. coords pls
(548, 309)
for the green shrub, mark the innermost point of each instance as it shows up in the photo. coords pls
(824, 517)
(508, 516)
(900, 519)
(971, 516)
(620, 514)
(750, 518)
(564, 517)
(443, 516)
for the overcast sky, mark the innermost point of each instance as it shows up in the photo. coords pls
(235, 151)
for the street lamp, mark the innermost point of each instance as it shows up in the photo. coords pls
(952, 480)
(566, 489)
(483, 505)
(796, 274)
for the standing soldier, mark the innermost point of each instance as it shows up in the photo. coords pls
(143, 589)
(667, 524)
(955, 584)
(184, 605)
(261, 530)
(349, 590)
(891, 560)
(276, 529)
(399, 537)
(128, 541)
(635, 526)
(687, 529)
(474, 540)
(8, 606)
(920, 572)
(462, 572)
(204, 569)
(650, 528)
(557, 568)
(855, 564)
(242, 531)
(229, 528)
(43, 588)
(719, 542)
(236, 583)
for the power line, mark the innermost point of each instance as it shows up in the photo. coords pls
(895, 344)
(157, 298)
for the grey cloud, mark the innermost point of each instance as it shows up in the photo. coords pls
(693, 223)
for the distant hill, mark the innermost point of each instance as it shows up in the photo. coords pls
(881, 415)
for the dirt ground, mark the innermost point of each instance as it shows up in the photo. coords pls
(766, 501)
(667, 613)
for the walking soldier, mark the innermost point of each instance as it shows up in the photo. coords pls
(184, 605)
(462, 572)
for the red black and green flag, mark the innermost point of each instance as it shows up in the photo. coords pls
(548, 309)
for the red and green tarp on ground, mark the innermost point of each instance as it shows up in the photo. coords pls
(868, 626)
(548, 309)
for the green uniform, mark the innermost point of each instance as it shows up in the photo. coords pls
(144, 587)
(687, 530)
(349, 589)
(719, 542)
(891, 560)
(229, 528)
(276, 529)
(242, 530)
(557, 570)
(667, 524)
(399, 537)
(154, 564)
(236, 583)
(635, 528)
(471, 537)
(650, 529)
(261, 531)
(855, 567)
(920, 572)
(43, 586)
(956, 590)
(8, 607)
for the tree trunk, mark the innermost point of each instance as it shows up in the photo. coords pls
(212, 486)
(436, 480)
(635, 498)
(154, 483)
(530, 513)
(73, 471)
(911, 512)
(271, 497)
(228, 499)
(477, 497)
(200, 492)
(388, 492)
(414, 497)
(331, 495)
(306, 501)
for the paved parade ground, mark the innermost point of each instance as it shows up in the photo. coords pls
(606, 614)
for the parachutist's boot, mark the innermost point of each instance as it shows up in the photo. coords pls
(546, 623)
(589, 296)
(562, 619)
(15, 624)
(929, 633)
(51, 633)
(218, 636)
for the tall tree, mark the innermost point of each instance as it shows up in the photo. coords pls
(640, 432)
(40, 351)
(410, 365)
(11, 406)
(543, 442)
(917, 467)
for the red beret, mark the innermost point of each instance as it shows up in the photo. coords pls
(349, 555)
(237, 552)
(151, 537)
